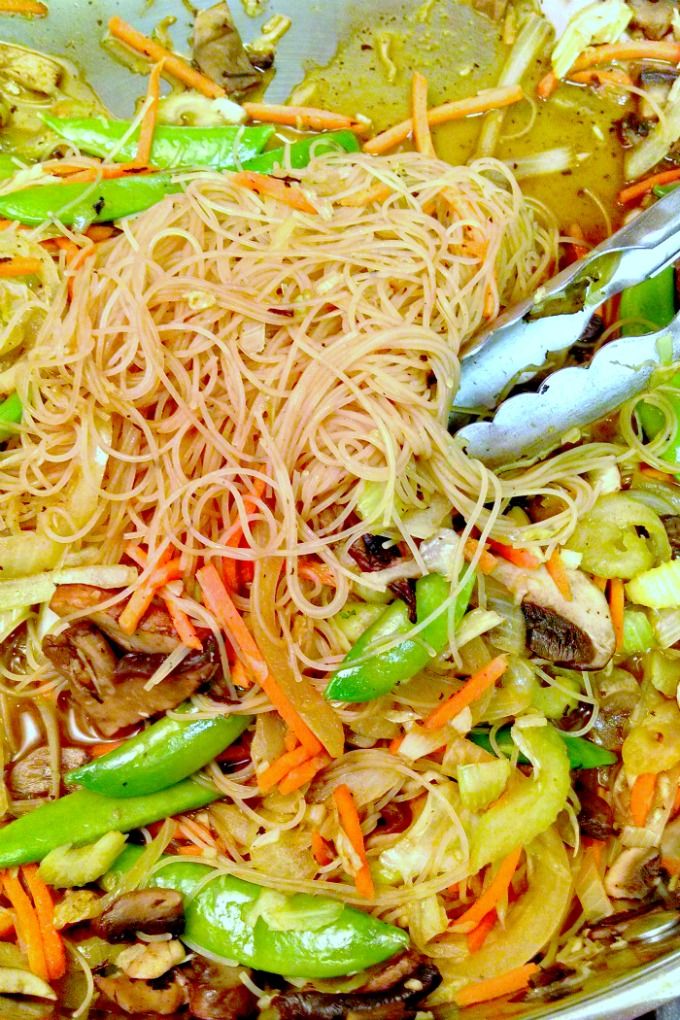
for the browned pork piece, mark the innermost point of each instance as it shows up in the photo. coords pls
(31, 776)
(155, 634)
(217, 992)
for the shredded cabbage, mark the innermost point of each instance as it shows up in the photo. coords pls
(411, 854)
(600, 22)
(658, 588)
(590, 890)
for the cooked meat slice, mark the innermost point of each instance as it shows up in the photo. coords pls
(152, 911)
(400, 1002)
(31, 776)
(672, 525)
(574, 632)
(653, 17)
(216, 992)
(82, 653)
(627, 878)
(387, 975)
(155, 634)
(163, 996)
(219, 51)
(125, 701)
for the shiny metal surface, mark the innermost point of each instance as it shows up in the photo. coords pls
(624, 984)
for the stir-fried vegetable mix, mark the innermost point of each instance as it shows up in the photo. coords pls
(484, 764)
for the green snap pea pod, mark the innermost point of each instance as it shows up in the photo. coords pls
(380, 673)
(159, 756)
(583, 754)
(10, 411)
(299, 935)
(84, 817)
(174, 145)
(8, 165)
(79, 204)
(298, 155)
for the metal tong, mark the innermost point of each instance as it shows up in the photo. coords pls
(525, 336)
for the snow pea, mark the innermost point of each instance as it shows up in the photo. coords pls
(298, 155)
(79, 204)
(10, 412)
(174, 145)
(377, 675)
(158, 757)
(583, 754)
(300, 936)
(84, 817)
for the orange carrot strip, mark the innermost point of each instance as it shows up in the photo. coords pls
(321, 852)
(676, 803)
(27, 925)
(280, 768)
(579, 250)
(230, 566)
(642, 797)
(363, 881)
(6, 923)
(273, 187)
(97, 750)
(595, 76)
(421, 128)
(487, 562)
(637, 190)
(106, 173)
(616, 602)
(652, 472)
(313, 570)
(19, 266)
(493, 988)
(219, 602)
(671, 865)
(520, 557)
(477, 937)
(175, 66)
(489, 99)
(290, 741)
(99, 232)
(303, 774)
(186, 631)
(349, 820)
(376, 193)
(395, 743)
(558, 572)
(239, 676)
(23, 7)
(600, 582)
(55, 957)
(634, 49)
(547, 85)
(303, 117)
(195, 830)
(475, 686)
(144, 595)
(148, 125)
(494, 892)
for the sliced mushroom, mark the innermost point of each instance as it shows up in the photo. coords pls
(653, 17)
(596, 817)
(384, 976)
(152, 911)
(82, 653)
(574, 632)
(217, 992)
(164, 997)
(155, 634)
(626, 878)
(219, 51)
(399, 1002)
(31, 776)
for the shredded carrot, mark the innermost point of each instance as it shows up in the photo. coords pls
(185, 629)
(290, 741)
(493, 988)
(579, 250)
(220, 604)
(239, 676)
(376, 193)
(652, 472)
(106, 173)
(558, 572)
(671, 865)
(198, 833)
(595, 76)
(487, 562)
(280, 768)
(520, 557)
(646, 49)
(19, 266)
(547, 85)
(474, 687)
(421, 128)
(27, 924)
(99, 232)
(640, 188)
(6, 922)
(55, 957)
(148, 125)
(303, 774)
(616, 602)
(274, 187)
(600, 582)
(321, 852)
(349, 819)
(642, 797)
(594, 848)
(314, 570)
(494, 892)
(97, 750)
(488, 99)
(676, 803)
(233, 541)
(395, 744)
(303, 117)
(477, 937)
(144, 595)
(174, 65)
(23, 7)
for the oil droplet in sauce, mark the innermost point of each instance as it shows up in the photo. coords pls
(461, 51)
